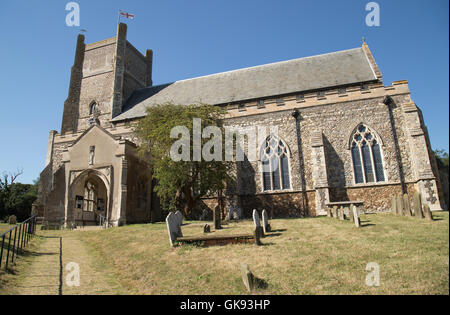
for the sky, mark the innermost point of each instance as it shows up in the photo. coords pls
(200, 37)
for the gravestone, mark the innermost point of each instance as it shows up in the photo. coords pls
(173, 228)
(247, 277)
(329, 212)
(179, 216)
(335, 212)
(427, 212)
(351, 214)
(257, 223)
(206, 228)
(400, 205)
(407, 205)
(258, 234)
(256, 220)
(356, 218)
(394, 206)
(417, 203)
(342, 214)
(265, 220)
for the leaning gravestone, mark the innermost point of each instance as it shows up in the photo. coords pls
(356, 218)
(400, 205)
(173, 228)
(206, 228)
(417, 205)
(427, 212)
(179, 216)
(394, 205)
(247, 277)
(407, 205)
(265, 220)
(257, 223)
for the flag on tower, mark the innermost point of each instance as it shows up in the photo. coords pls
(127, 15)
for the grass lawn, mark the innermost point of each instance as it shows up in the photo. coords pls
(303, 256)
(5, 227)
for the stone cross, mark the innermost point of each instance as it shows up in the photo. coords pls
(417, 203)
(407, 205)
(427, 212)
(356, 218)
(173, 228)
(265, 219)
(394, 205)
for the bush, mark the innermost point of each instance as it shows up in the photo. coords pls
(12, 219)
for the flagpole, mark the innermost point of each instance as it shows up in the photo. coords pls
(118, 18)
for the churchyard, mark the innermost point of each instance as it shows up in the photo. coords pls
(322, 255)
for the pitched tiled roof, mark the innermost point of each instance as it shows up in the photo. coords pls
(280, 78)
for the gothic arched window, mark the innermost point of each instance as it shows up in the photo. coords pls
(275, 164)
(93, 108)
(366, 156)
(90, 196)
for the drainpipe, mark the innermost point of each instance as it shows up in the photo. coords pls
(297, 117)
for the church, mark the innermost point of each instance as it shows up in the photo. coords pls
(342, 135)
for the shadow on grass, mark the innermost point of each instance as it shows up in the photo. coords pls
(272, 235)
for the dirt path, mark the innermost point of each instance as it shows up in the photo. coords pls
(56, 261)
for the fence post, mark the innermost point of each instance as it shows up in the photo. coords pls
(1, 251)
(7, 253)
(14, 245)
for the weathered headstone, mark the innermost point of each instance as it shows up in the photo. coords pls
(400, 205)
(256, 220)
(216, 218)
(329, 212)
(179, 216)
(350, 213)
(206, 228)
(173, 228)
(342, 214)
(258, 234)
(247, 277)
(407, 205)
(417, 203)
(257, 223)
(427, 212)
(356, 218)
(394, 205)
(335, 212)
(265, 220)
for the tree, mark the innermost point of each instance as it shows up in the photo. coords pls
(442, 156)
(181, 184)
(16, 198)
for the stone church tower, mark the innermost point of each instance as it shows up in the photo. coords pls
(343, 135)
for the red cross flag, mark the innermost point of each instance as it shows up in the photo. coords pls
(127, 15)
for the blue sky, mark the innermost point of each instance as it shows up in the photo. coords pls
(199, 37)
